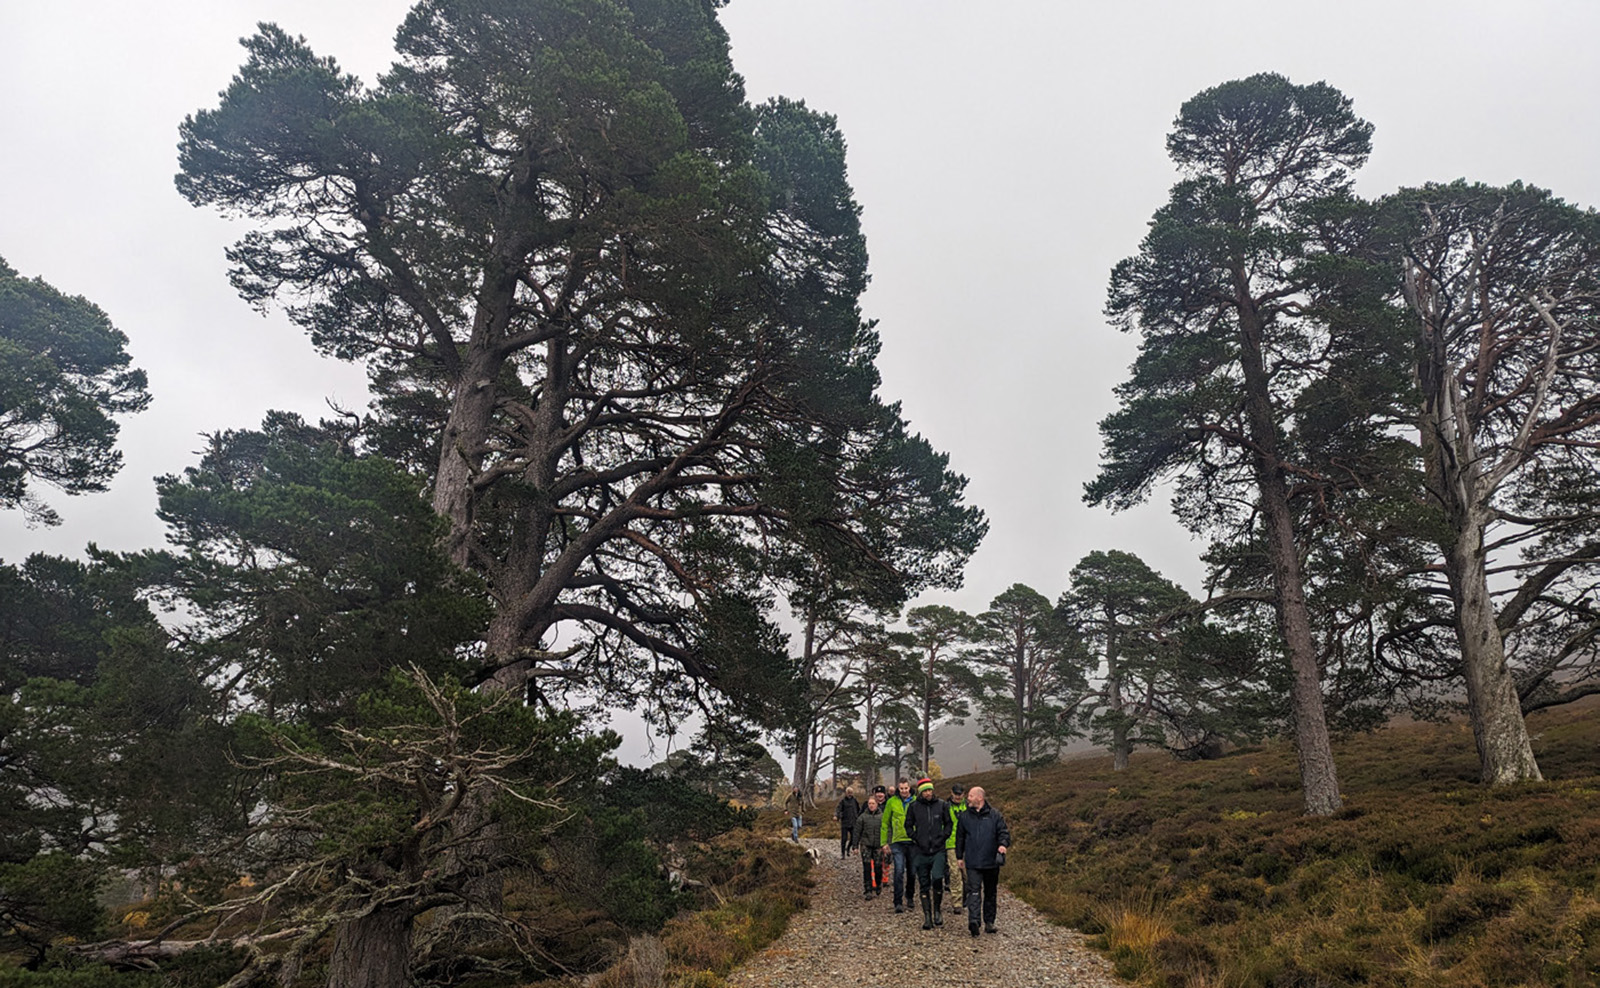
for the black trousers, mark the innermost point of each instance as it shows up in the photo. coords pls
(871, 868)
(929, 869)
(847, 839)
(982, 883)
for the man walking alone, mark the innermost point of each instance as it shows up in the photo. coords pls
(982, 839)
(928, 824)
(846, 813)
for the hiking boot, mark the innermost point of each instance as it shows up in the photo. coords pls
(989, 928)
(972, 928)
(899, 908)
(867, 895)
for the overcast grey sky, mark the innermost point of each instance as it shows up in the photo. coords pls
(1006, 155)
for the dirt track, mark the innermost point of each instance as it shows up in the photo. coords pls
(843, 939)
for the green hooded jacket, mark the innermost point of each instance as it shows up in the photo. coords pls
(894, 822)
(955, 811)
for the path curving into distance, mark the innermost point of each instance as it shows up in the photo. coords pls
(844, 939)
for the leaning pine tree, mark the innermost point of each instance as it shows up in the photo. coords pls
(607, 306)
(1230, 294)
(609, 312)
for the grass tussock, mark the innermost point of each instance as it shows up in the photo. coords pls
(1208, 875)
(1132, 933)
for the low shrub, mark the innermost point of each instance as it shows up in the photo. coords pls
(757, 884)
(97, 976)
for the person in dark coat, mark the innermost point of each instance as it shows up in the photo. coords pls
(927, 825)
(869, 838)
(982, 839)
(846, 813)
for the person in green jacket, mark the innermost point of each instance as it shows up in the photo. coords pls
(893, 834)
(955, 879)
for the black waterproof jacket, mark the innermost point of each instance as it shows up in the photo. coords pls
(847, 812)
(928, 824)
(979, 836)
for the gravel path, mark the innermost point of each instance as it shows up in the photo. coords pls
(843, 939)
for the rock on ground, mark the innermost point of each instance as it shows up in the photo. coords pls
(845, 939)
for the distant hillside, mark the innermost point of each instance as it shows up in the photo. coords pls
(957, 750)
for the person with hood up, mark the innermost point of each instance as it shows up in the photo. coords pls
(928, 824)
(869, 838)
(982, 839)
(846, 813)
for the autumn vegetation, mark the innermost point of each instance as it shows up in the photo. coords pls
(1209, 873)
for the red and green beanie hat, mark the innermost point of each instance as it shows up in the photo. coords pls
(924, 784)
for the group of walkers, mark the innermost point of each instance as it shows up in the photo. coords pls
(929, 844)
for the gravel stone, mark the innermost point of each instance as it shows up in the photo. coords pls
(843, 939)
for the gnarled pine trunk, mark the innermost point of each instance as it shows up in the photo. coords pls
(372, 951)
(1505, 752)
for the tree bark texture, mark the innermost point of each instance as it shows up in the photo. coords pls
(1505, 752)
(802, 763)
(929, 684)
(1319, 780)
(1021, 697)
(1121, 749)
(372, 951)
(870, 737)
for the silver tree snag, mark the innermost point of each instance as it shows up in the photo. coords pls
(1504, 285)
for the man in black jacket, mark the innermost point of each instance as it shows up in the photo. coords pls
(846, 813)
(982, 839)
(928, 824)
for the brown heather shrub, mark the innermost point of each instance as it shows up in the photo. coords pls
(758, 883)
(644, 966)
(1425, 879)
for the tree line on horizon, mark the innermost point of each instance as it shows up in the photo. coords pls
(1125, 658)
(625, 413)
